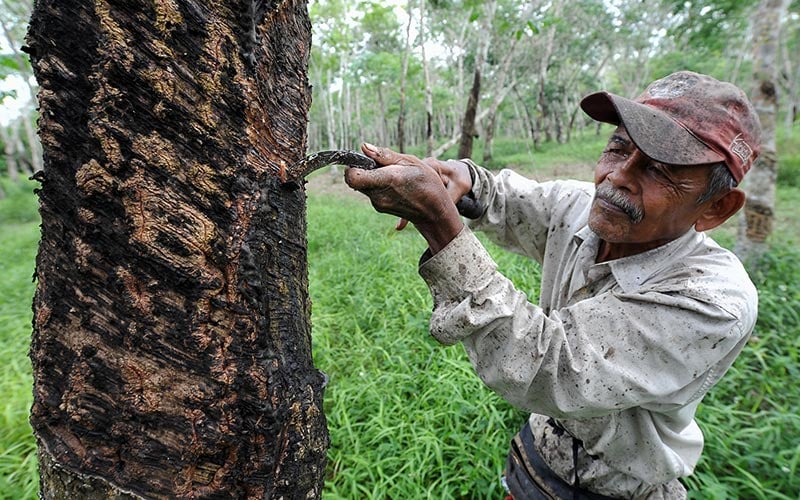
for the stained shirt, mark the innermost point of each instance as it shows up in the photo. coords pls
(620, 353)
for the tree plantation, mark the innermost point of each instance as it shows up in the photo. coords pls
(377, 64)
(176, 321)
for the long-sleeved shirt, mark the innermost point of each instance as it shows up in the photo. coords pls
(620, 353)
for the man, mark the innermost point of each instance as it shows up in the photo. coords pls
(640, 312)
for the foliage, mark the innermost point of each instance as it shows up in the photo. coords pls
(620, 45)
(751, 421)
(20, 206)
(789, 157)
(706, 25)
(407, 418)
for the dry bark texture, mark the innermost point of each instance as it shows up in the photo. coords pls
(171, 347)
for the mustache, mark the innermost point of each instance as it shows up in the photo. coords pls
(619, 200)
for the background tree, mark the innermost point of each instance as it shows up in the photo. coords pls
(401, 113)
(759, 210)
(171, 346)
(485, 17)
(21, 147)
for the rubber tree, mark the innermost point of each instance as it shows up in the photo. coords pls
(171, 346)
(468, 122)
(755, 224)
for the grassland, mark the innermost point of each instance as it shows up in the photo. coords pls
(408, 418)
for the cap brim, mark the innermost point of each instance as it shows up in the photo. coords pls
(653, 131)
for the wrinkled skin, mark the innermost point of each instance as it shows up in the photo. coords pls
(423, 192)
(664, 197)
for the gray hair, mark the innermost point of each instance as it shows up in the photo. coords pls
(720, 180)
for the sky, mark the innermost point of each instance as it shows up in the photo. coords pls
(10, 106)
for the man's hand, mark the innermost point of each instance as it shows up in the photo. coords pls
(420, 191)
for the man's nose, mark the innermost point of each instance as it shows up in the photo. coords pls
(625, 174)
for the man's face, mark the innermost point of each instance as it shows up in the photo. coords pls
(639, 203)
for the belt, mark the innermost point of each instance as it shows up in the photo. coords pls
(530, 478)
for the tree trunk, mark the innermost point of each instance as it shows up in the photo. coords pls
(531, 121)
(9, 151)
(759, 211)
(330, 114)
(544, 64)
(34, 147)
(428, 85)
(491, 120)
(500, 93)
(468, 131)
(401, 114)
(791, 75)
(468, 123)
(171, 347)
(383, 130)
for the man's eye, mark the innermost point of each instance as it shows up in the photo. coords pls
(616, 151)
(656, 170)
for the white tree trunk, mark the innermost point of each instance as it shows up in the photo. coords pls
(759, 211)
(428, 86)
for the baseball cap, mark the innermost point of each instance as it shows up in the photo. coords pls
(686, 119)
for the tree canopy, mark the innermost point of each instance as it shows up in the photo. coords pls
(550, 53)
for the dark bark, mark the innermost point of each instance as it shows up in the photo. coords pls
(171, 349)
(468, 124)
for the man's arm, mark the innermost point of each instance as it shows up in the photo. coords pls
(651, 347)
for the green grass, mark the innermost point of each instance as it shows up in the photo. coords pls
(19, 238)
(408, 418)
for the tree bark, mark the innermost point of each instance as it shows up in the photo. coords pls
(9, 151)
(758, 216)
(401, 114)
(428, 84)
(791, 85)
(544, 64)
(171, 348)
(500, 93)
(530, 120)
(330, 114)
(468, 131)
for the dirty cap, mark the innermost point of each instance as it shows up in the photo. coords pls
(686, 119)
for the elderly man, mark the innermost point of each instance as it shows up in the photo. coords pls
(640, 312)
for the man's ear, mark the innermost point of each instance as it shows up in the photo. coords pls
(720, 210)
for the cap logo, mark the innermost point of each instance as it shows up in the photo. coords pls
(741, 149)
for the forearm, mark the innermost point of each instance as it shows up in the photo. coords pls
(499, 328)
(439, 233)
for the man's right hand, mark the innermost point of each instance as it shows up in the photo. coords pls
(423, 192)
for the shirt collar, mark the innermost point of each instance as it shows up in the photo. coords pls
(630, 272)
